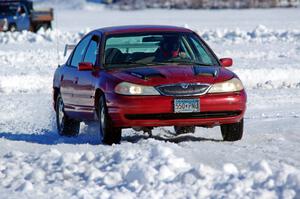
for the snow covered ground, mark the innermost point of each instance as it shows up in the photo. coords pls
(36, 163)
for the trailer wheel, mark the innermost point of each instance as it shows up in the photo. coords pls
(46, 26)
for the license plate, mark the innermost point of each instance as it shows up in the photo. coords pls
(186, 105)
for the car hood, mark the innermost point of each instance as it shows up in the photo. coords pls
(158, 75)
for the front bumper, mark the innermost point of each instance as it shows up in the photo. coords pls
(153, 111)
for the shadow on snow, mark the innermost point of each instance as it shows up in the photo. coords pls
(90, 135)
(173, 139)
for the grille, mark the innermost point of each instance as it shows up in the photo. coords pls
(183, 89)
(171, 116)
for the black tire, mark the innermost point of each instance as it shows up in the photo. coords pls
(184, 129)
(65, 125)
(45, 25)
(109, 134)
(12, 28)
(232, 132)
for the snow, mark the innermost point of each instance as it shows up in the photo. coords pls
(154, 174)
(259, 34)
(37, 163)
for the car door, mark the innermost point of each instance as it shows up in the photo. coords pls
(69, 75)
(84, 88)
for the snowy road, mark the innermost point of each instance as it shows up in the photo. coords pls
(36, 162)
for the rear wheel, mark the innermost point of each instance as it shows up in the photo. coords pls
(65, 125)
(232, 132)
(109, 134)
(184, 129)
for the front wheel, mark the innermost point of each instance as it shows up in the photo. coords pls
(109, 134)
(232, 132)
(65, 125)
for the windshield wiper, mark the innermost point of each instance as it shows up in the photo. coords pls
(183, 62)
(132, 63)
(126, 63)
(199, 63)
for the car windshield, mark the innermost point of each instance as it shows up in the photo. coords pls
(156, 49)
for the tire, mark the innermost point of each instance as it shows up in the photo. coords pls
(232, 132)
(184, 129)
(12, 28)
(65, 125)
(46, 26)
(109, 134)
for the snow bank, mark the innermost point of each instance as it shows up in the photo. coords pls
(258, 34)
(266, 78)
(27, 70)
(41, 36)
(132, 173)
(269, 68)
(60, 4)
(31, 71)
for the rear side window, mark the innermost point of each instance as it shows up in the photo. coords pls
(92, 51)
(79, 51)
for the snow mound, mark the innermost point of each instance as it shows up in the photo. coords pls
(258, 34)
(41, 36)
(157, 173)
(60, 4)
(266, 78)
(28, 70)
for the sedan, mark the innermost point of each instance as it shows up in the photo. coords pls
(143, 77)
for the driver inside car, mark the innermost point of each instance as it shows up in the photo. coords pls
(169, 48)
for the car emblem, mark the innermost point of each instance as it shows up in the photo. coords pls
(184, 86)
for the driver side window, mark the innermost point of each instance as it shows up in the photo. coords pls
(79, 51)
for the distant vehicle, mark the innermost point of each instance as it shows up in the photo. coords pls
(19, 15)
(147, 76)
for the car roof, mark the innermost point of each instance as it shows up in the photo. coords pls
(141, 28)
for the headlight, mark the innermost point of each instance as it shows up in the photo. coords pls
(126, 88)
(232, 85)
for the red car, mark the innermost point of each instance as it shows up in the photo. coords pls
(147, 76)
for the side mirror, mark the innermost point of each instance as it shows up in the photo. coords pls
(226, 62)
(82, 66)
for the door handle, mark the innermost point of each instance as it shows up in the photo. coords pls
(75, 80)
